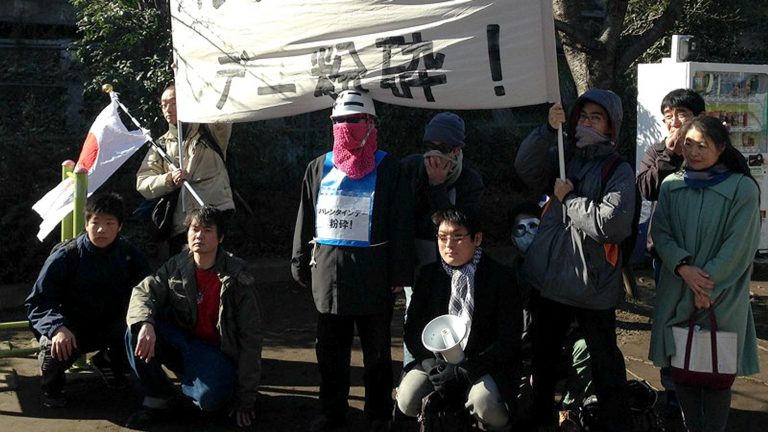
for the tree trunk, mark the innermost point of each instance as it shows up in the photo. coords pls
(597, 52)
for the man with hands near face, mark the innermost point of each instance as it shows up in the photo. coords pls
(574, 262)
(199, 316)
(437, 179)
(665, 157)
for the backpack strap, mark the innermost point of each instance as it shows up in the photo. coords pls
(610, 164)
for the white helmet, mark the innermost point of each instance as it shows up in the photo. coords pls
(350, 102)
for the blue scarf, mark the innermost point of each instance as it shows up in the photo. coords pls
(699, 179)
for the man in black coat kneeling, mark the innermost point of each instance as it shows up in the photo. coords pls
(469, 284)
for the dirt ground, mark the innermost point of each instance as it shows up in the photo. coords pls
(289, 385)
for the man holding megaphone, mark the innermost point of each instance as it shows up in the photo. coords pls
(467, 284)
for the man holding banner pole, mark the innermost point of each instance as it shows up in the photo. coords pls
(201, 166)
(350, 246)
(574, 262)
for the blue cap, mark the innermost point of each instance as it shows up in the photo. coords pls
(446, 128)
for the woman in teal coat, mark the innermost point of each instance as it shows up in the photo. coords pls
(706, 229)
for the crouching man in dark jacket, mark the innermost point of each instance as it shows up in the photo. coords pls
(469, 284)
(199, 316)
(78, 300)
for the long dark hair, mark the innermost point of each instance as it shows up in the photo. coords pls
(713, 128)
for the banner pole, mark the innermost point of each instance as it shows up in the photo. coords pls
(561, 159)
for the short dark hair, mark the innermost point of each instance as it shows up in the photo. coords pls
(683, 98)
(468, 220)
(208, 216)
(108, 203)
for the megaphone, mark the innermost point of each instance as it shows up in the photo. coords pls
(443, 336)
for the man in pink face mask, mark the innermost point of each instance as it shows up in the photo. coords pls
(351, 247)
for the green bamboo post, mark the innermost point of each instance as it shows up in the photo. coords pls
(66, 224)
(13, 325)
(81, 193)
(78, 225)
(18, 352)
(13, 351)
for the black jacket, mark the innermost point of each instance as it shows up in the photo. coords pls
(356, 280)
(658, 162)
(87, 291)
(427, 199)
(494, 340)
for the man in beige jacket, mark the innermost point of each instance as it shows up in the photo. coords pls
(203, 166)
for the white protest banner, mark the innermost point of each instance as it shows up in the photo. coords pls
(244, 60)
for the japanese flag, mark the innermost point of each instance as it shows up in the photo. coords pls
(108, 145)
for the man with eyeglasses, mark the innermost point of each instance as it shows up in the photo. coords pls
(660, 160)
(574, 262)
(467, 283)
(438, 178)
(351, 246)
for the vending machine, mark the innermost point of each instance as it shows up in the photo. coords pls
(735, 93)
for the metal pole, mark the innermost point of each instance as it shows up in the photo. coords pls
(66, 223)
(561, 158)
(181, 155)
(107, 88)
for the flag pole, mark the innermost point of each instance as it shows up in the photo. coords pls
(107, 88)
(561, 158)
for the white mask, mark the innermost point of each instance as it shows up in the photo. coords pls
(524, 242)
(524, 232)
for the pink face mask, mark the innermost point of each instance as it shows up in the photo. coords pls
(354, 148)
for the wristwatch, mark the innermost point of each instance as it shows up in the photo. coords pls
(682, 262)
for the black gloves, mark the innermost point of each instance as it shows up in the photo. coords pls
(428, 364)
(445, 376)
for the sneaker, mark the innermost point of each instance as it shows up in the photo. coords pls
(102, 366)
(54, 400)
(145, 417)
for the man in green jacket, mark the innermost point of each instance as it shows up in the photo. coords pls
(199, 316)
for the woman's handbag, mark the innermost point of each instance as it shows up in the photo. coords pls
(704, 358)
(161, 219)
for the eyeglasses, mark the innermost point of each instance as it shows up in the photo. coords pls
(592, 118)
(456, 238)
(349, 120)
(530, 225)
(682, 115)
(441, 147)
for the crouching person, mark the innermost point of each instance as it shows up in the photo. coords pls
(78, 301)
(199, 316)
(469, 284)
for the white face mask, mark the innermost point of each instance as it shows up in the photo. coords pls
(524, 242)
(524, 232)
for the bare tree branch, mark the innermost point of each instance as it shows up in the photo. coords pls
(577, 38)
(661, 25)
(613, 25)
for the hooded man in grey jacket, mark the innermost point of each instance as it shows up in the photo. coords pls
(574, 262)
